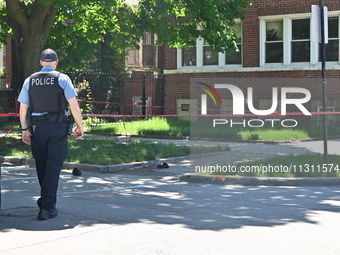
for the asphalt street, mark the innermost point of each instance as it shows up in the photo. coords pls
(110, 213)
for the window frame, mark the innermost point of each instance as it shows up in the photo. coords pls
(287, 40)
(333, 39)
(272, 42)
(199, 56)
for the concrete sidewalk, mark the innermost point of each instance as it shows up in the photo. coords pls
(244, 152)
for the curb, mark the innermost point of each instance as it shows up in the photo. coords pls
(258, 181)
(231, 140)
(182, 138)
(191, 178)
(29, 162)
(120, 167)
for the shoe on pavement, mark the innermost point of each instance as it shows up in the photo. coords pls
(76, 171)
(47, 214)
(164, 165)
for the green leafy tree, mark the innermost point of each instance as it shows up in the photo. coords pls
(95, 36)
(30, 24)
(73, 27)
(180, 22)
(70, 25)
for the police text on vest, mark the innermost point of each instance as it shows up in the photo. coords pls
(43, 81)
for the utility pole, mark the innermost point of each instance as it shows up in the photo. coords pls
(324, 81)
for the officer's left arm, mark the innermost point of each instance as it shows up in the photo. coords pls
(26, 136)
(79, 131)
(70, 95)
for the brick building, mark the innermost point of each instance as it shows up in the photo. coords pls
(276, 47)
(7, 86)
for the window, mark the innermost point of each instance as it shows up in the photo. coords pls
(332, 47)
(202, 56)
(286, 40)
(235, 58)
(148, 39)
(300, 40)
(149, 50)
(274, 41)
(209, 57)
(189, 56)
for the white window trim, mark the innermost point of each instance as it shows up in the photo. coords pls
(179, 60)
(287, 38)
(199, 57)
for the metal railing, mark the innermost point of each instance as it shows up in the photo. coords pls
(5, 83)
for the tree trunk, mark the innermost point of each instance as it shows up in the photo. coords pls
(31, 49)
(28, 51)
(31, 28)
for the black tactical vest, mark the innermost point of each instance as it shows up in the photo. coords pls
(45, 93)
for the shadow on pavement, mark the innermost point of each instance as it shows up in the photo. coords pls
(110, 199)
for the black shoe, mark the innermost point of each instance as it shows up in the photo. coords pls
(47, 214)
(76, 171)
(164, 165)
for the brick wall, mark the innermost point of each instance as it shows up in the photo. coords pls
(251, 27)
(178, 87)
(170, 58)
(178, 84)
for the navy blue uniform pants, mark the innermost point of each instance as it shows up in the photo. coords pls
(49, 149)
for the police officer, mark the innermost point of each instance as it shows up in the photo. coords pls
(45, 97)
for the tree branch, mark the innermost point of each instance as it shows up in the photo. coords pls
(39, 13)
(14, 11)
(48, 23)
(24, 9)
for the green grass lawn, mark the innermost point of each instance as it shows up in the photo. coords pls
(149, 126)
(103, 151)
(181, 128)
(108, 151)
(174, 127)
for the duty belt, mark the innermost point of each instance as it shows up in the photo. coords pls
(54, 117)
(41, 117)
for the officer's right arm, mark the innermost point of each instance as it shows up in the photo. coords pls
(26, 136)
